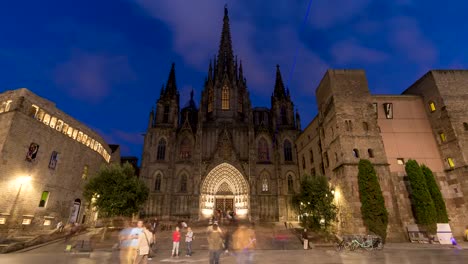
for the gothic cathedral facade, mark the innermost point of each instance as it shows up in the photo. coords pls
(224, 154)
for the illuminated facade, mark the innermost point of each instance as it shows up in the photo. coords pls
(224, 155)
(46, 157)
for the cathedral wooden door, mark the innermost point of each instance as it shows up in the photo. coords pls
(224, 204)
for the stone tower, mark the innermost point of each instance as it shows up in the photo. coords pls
(348, 131)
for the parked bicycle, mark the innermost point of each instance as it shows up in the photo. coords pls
(355, 242)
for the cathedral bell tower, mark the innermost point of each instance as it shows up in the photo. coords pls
(167, 106)
(282, 108)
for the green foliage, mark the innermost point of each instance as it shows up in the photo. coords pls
(374, 213)
(116, 191)
(423, 206)
(314, 203)
(439, 203)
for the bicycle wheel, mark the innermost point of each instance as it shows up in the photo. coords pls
(339, 246)
(348, 245)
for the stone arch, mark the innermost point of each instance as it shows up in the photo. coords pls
(157, 183)
(224, 182)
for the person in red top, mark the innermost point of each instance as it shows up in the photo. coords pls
(175, 242)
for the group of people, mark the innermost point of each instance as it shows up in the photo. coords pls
(176, 237)
(242, 242)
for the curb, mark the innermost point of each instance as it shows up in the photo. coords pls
(26, 249)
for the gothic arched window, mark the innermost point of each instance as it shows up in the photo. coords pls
(161, 155)
(157, 183)
(290, 184)
(225, 98)
(263, 153)
(287, 150)
(210, 100)
(265, 184)
(284, 119)
(183, 183)
(185, 149)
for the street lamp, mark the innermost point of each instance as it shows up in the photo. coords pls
(23, 180)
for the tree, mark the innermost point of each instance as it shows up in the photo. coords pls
(314, 203)
(423, 206)
(374, 213)
(116, 191)
(436, 195)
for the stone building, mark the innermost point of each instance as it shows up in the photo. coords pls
(428, 123)
(224, 154)
(45, 158)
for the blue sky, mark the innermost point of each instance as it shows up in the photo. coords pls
(103, 62)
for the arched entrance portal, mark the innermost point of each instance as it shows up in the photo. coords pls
(226, 189)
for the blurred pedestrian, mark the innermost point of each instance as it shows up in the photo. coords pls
(243, 244)
(145, 239)
(175, 242)
(215, 244)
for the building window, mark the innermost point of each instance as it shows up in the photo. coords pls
(185, 149)
(183, 183)
(263, 153)
(450, 163)
(32, 152)
(311, 153)
(33, 111)
(388, 110)
(400, 161)
(303, 162)
(59, 125)
(161, 155)
(365, 126)
(166, 114)
(322, 169)
(210, 100)
(284, 119)
(46, 119)
(2, 220)
(53, 160)
(44, 198)
(5, 106)
(287, 151)
(370, 152)
(432, 106)
(265, 184)
(442, 137)
(356, 153)
(336, 157)
(84, 175)
(376, 108)
(157, 183)
(225, 98)
(327, 161)
(465, 125)
(53, 122)
(349, 125)
(290, 184)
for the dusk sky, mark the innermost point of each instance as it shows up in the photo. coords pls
(103, 62)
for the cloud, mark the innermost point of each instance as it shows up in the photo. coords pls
(90, 76)
(350, 50)
(406, 37)
(196, 38)
(325, 14)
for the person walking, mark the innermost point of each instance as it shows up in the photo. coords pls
(188, 241)
(154, 227)
(126, 252)
(145, 239)
(243, 243)
(215, 244)
(175, 242)
(60, 227)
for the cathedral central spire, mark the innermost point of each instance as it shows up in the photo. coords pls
(225, 53)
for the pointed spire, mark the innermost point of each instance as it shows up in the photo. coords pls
(225, 53)
(210, 72)
(241, 73)
(279, 86)
(191, 95)
(162, 90)
(171, 86)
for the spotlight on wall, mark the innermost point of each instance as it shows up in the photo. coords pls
(23, 179)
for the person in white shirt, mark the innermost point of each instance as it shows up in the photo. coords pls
(188, 241)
